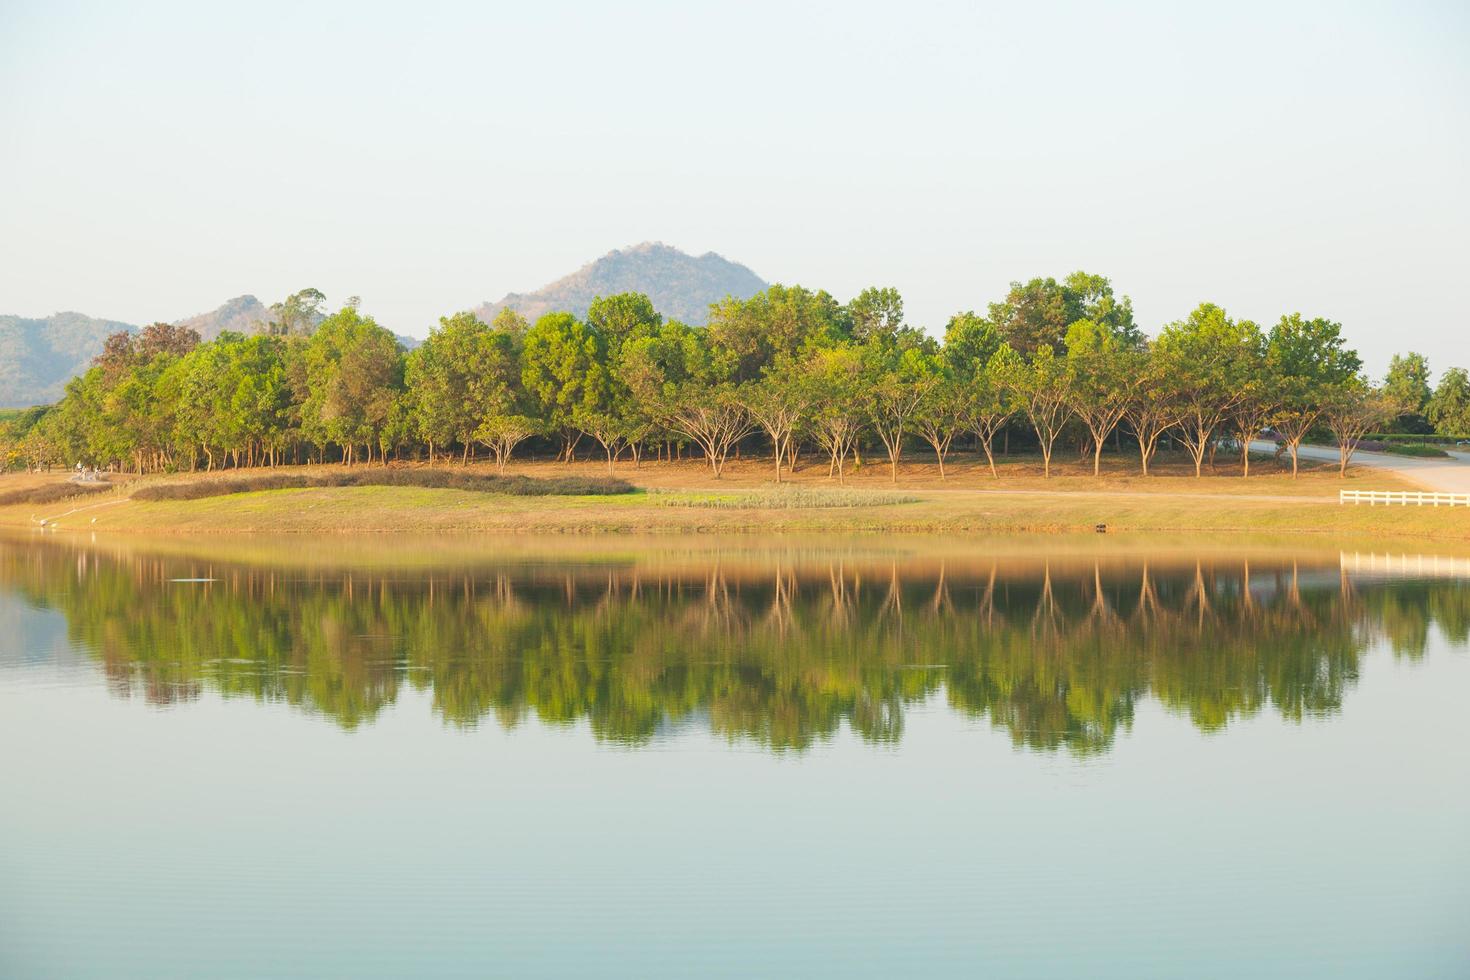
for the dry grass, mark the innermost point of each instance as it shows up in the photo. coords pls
(784, 497)
(685, 497)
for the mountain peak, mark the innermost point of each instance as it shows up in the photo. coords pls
(242, 314)
(681, 286)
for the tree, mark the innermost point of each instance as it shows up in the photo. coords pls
(1203, 356)
(1408, 384)
(623, 315)
(985, 405)
(1042, 388)
(1307, 360)
(165, 338)
(779, 403)
(1038, 312)
(509, 322)
(563, 367)
(1258, 404)
(1449, 406)
(1101, 380)
(1154, 406)
(900, 371)
(501, 434)
(835, 383)
(942, 415)
(715, 418)
(876, 312)
(297, 314)
(354, 372)
(1353, 409)
(782, 319)
(970, 341)
(462, 374)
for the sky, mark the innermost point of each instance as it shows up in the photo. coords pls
(157, 159)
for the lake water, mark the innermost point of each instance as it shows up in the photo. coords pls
(471, 757)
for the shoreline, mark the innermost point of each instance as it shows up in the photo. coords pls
(683, 499)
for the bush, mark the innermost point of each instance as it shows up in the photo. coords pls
(522, 486)
(1391, 437)
(50, 493)
(1411, 449)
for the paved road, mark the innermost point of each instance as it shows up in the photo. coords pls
(1445, 475)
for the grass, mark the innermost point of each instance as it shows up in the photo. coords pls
(517, 485)
(1419, 450)
(785, 497)
(684, 497)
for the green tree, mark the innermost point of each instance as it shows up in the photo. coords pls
(780, 403)
(1205, 357)
(296, 315)
(462, 374)
(780, 320)
(1102, 371)
(1038, 312)
(563, 368)
(1449, 406)
(986, 404)
(835, 384)
(876, 312)
(501, 434)
(900, 371)
(1408, 384)
(1042, 387)
(354, 372)
(1308, 360)
(1353, 409)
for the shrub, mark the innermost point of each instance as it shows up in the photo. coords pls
(523, 486)
(1411, 449)
(50, 493)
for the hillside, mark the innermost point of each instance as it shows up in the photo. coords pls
(242, 314)
(680, 285)
(39, 356)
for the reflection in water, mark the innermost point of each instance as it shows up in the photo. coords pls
(784, 651)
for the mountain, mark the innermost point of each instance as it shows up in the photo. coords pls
(39, 356)
(681, 286)
(243, 314)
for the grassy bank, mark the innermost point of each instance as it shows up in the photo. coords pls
(683, 497)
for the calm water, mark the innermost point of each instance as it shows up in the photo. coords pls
(470, 758)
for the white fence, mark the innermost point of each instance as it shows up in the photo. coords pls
(1403, 566)
(1403, 497)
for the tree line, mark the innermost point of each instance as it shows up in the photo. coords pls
(1058, 657)
(792, 370)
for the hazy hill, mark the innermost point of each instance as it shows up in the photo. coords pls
(680, 285)
(243, 314)
(39, 356)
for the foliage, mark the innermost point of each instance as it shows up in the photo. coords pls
(789, 368)
(524, 486)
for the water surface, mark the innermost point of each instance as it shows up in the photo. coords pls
(480, 757)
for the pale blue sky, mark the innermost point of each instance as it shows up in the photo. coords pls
(159, 158)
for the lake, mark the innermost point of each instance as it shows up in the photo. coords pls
(475, 757)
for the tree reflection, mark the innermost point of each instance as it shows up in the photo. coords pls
(1056, 653)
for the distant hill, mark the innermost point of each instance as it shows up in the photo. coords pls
(38, 357)
(681, 286)
(243, 314)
